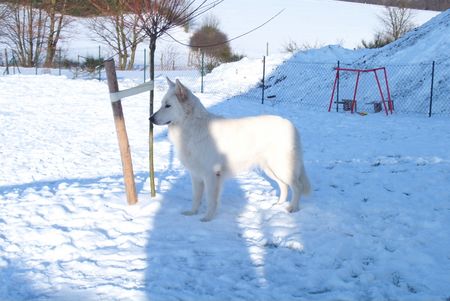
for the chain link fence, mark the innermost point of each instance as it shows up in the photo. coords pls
(441, 89)
(414, 88)
(87, 62)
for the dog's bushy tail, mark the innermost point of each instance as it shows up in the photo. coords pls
(305, 182)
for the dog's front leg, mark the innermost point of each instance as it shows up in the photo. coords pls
(197, 193)
(213, 187)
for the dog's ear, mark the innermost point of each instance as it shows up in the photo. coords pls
(181, 91)
(170, 83)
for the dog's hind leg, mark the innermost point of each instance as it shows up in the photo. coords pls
(197, 193)
(283, 186)
(300, 186)
(297, 188)
(213, 188)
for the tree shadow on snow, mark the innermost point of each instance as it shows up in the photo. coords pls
(15, 284)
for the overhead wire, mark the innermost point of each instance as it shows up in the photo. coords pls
(228, 40)
(215, 44)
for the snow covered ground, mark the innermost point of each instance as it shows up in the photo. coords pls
(375, 227)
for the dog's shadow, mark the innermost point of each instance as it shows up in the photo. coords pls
(190, 259)
(234, 256)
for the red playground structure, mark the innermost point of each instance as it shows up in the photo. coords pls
(387, 109)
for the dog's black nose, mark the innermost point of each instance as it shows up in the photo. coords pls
(152, 119)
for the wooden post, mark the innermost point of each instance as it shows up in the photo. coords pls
(122, 136)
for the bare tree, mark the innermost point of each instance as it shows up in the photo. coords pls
(24, 29)
(380, 39)
(118, 29)
(3, 12)
(211, 20)
(292, 46)
(156, 18)
(210, 40)
(3, 15)
(396, 21)
(32, 28)
(414, 4)
(57, 21)
(169, 57)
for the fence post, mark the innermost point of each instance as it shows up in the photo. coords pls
(202, 70)
(431, 93)
(59, 61)
(124, 146)
(99, 67)
(7, 62)
(78, 66)
(263, 80)
(14, 63)
(145, 64)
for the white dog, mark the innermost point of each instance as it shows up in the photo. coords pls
(213, 148)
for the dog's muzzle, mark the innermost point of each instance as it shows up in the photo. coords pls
(153, 120)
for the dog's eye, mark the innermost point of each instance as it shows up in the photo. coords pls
(167, 106)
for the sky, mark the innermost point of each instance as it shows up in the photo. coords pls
(306, 22)
(310, 22)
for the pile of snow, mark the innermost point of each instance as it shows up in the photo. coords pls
(329, 54)
(307, 77)
(239, 77)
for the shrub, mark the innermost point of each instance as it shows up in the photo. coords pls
(92, 63)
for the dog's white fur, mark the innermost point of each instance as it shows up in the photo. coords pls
(213, 148)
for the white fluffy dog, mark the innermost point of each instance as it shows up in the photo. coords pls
(213, 148)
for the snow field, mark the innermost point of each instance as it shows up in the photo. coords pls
(375, 227)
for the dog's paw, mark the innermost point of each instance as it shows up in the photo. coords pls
(206, 219)
(279, 203)
(292, 209)
(189, 213)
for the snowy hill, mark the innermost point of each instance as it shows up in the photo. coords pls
(429, 42)
(307, 77)
(310, 22)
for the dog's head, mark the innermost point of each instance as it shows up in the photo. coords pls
(175, 105)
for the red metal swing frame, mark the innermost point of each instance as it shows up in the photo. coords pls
(390, 105)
